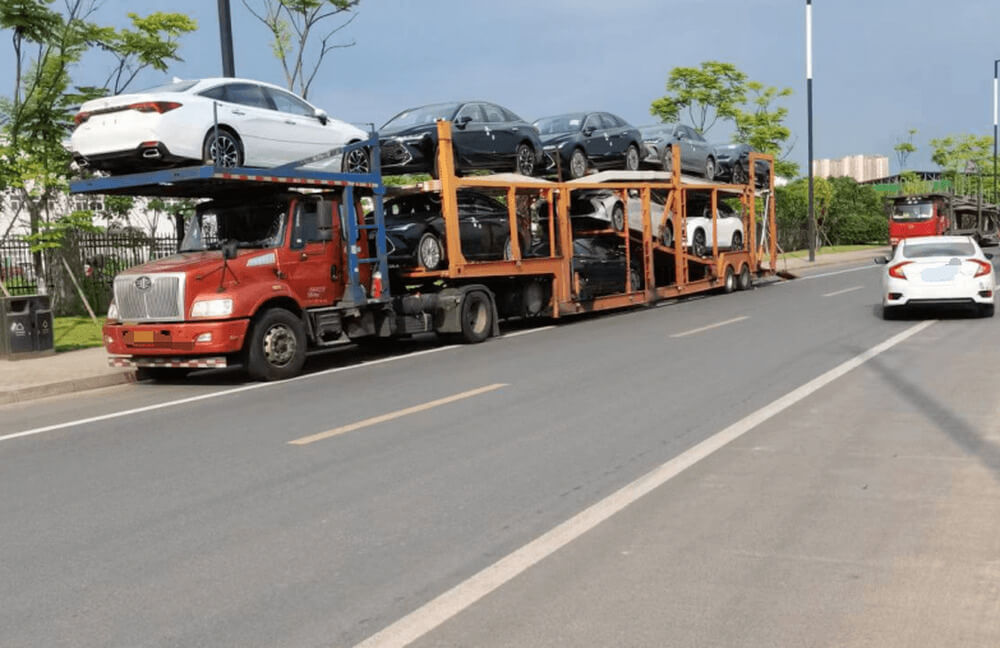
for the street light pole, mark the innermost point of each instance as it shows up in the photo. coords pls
(226, 39)
(995, 79)
(811, 225)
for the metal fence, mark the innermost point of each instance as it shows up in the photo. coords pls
(93, 260)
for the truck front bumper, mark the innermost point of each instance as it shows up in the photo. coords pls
(180, 339)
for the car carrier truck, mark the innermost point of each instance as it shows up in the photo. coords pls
(942, 214)
(277, 262)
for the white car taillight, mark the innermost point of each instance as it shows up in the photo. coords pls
(897, 270)
(983, 269)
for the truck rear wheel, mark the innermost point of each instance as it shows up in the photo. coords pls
(745, 282)
(477, 317)
(277, 346)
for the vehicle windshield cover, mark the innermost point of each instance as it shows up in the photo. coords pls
(560, 124)
(423, 115)
(258, 225)
(913, 213)
(938, 249)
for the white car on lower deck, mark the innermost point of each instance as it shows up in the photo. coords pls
(938, 271)
(259, 125)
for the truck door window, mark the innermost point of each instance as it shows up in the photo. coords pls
(305, 229)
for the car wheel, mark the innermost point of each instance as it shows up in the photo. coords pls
(277, 346)
(709, 168)
(525, 160)
(737, 243)
(698, 243)
(632, 158)
(477, 317)
(668, 159)
(430, 252)
(739, 174)
(357, 161)
(986, 310)
(667, 235)
(636, 278)
(745, 281)
(577, 164)
(508, 249)
(730, 283)
(890, 312)
(618, 217)
(160, 373)
(223, 149)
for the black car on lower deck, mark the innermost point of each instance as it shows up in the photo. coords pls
(485, 136)
(601, 266)
(600, 140)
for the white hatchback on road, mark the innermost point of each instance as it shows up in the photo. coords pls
(259, 125)
(937, 271)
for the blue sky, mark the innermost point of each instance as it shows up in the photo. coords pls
(881, 66)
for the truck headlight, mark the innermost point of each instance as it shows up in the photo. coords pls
(113, 312)
(212, 308)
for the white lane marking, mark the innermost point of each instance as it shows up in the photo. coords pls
(843, 292)
(226, 392)
(828, 274)
(432, 614)
(528, 331)
(710, 326)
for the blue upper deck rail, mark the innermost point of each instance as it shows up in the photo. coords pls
(210, 181)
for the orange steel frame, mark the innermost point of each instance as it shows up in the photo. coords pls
(565, 290)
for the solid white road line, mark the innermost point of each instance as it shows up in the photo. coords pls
(828, 274)
(710, 327)
(513, 334)
(432, 614)
(843, 292)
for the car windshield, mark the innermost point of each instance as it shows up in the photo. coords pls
(913, 212)
(176, 86)
(652, 132)
(938, 249)
(256, 225)
(423, 115)
(560, 124)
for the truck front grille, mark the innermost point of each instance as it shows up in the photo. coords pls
(155, 297)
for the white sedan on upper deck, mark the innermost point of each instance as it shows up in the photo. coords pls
(937, 271)
(259, 125)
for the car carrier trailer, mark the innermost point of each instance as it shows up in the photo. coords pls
(295, 263)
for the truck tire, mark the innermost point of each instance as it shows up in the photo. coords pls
(276, 347)
(745, 281)
(730, 283)
(477, 317)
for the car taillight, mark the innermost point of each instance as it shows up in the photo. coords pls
(155, 106)
(984, 267)
(81, 117)
(897, 270)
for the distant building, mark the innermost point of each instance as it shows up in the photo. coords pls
(860, 167)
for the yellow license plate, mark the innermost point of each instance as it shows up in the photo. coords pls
(142, 336)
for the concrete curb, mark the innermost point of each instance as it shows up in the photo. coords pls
(34, 392)
(791, 265)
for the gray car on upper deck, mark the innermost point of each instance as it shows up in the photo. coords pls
(697, 155)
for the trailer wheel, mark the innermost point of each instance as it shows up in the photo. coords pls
(277, 346)
(746, 279)
(477, 317)
(618, 217)
(730, 283)
(430, 251)
(158, 374)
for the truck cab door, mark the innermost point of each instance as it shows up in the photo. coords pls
(314, 267)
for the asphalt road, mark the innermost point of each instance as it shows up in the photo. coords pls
(180, 515)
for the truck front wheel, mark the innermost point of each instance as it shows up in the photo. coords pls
(477, 317)
(277, 346)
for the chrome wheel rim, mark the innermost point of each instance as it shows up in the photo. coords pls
(632, 159)
(508, 250)
(709, 169)
(357, 161)
(578, 164)
(525, 161)
(224, 151)
(699, 243)
(618, 218)
(280, 345)
(430, 252)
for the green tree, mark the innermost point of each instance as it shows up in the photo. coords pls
(792, 207)
(960, 156)
(762, 126)
(904, 148)
(708, 93)
(303, 32)
(856, 214)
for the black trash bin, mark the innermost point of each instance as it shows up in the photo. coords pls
(25, 327)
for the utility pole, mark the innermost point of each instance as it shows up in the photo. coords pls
(811, 224)
(226, 39)
(996, 199)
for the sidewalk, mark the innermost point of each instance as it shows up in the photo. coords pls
(793, 264)
(63, 373)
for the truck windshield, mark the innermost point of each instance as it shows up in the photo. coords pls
(257, 225)
(912, 213)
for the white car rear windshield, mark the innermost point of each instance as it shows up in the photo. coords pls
(938, 249)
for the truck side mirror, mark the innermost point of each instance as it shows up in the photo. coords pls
(881, 260)
(230, 249)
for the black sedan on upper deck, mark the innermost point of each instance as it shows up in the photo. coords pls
(597, 139)
(733, 162)
(485, 136)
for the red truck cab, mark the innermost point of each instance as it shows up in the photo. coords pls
(912, 216)
(246, 267)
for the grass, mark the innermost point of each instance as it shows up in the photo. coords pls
(72, 333)
(833, 249)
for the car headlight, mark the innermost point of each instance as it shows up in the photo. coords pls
(410, 139)
(212, 308)
(113, 312)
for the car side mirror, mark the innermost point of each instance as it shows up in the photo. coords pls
(463, 121)
(881, 260)
(230, 249)
(588, 131)
(321, 115)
